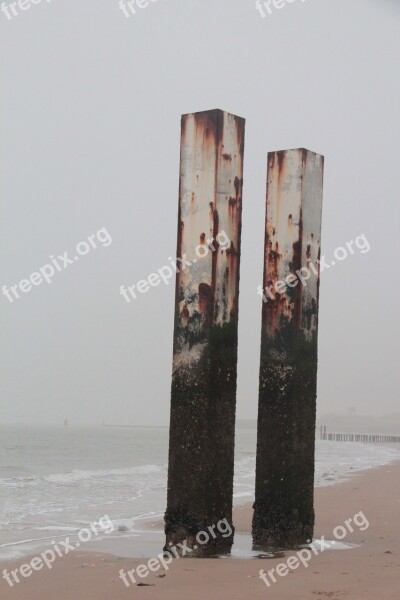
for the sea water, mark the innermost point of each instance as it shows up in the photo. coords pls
(56, 481)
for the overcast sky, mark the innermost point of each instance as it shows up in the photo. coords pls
(90, 125)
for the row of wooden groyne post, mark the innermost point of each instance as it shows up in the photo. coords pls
(368, 438)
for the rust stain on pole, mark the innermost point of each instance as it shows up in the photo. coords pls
(203, 395)
(283, 509)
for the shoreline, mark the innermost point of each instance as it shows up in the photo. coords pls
(146, 539)
(368, 572)
(136, 543)
(335, 463)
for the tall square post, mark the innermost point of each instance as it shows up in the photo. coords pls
(283, 509)
(203, 395)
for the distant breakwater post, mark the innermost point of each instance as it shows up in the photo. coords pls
(283, 509)
(365, 438)
(203, 394)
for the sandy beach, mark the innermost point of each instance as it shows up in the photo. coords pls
(369, 570)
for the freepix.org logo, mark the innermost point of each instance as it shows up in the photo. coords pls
(13, 9)
(58, 550)
(316, 547)
(303, 275)
(130, 7)
(166, 273)
(56, 265)
(268, 7)
(174, 552)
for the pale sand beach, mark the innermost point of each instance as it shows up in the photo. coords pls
(370, 570)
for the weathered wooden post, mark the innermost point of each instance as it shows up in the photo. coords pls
(203, 395)
(283, 509)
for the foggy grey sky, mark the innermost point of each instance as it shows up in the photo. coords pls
(90, 129)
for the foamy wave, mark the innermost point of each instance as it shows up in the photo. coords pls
(61, 528)
(78, 476)
(131, 524)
